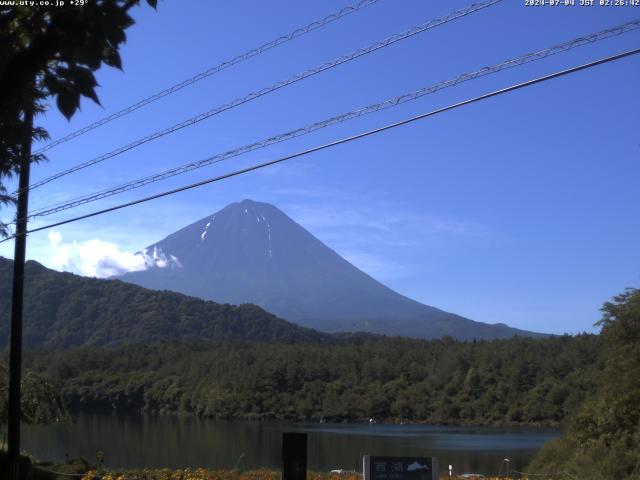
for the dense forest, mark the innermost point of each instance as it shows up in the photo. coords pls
(517, 381)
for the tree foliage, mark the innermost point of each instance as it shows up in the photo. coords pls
(40, 401)
(52, 51)
(603, 437)
(501, 382)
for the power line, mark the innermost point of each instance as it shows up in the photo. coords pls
(213, 70)
(276, 86)
(341, 141)
(256, 94)
(388, 103)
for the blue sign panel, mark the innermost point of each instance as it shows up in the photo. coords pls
(400, 468)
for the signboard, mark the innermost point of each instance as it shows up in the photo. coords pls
(400, 468)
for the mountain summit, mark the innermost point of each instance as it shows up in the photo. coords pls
(251, 252)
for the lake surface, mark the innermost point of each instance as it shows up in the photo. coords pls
(173, 442)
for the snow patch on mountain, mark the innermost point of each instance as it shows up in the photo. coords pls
(206, 228)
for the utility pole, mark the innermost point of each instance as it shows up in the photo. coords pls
(15, 355)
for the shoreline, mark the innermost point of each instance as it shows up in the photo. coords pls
(276, 418)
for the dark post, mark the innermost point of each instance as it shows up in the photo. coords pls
(294, 456)
(15, 356)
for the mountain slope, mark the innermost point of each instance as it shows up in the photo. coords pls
(253, 252)
(65, 310)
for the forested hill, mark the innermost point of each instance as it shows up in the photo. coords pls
(64, 310)
(516, 381)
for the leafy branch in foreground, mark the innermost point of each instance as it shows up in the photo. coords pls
(48, 51)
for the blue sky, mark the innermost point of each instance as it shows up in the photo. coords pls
(520, 209)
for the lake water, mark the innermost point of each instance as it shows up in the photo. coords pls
(164, 441)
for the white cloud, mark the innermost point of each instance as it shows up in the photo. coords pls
(97, 258)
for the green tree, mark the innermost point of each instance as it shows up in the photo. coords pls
(40, 401)
(603, 438)
(52, 52)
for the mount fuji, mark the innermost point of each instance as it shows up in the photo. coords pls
(251, 252)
